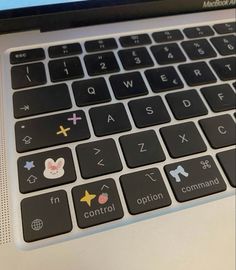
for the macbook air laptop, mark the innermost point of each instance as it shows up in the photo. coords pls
(117, 135)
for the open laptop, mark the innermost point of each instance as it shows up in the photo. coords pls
(117, 135)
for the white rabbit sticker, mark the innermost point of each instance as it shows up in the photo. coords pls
(54, 169)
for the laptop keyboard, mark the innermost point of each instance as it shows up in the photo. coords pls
(102, 79)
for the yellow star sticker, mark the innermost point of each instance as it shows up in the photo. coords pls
(88, 198)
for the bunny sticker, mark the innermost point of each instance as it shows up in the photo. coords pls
(54, 169)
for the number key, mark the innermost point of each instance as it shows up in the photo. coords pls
(225, 45)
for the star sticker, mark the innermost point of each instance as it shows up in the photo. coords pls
(88, 198)
(29, 165)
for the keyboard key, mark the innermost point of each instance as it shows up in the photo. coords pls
(110, 119)
(149, 112)
(220, 97)
(135, 40)
(42, 216)
(225, 45)
(141, 149)
(51, 131)
(199, 31)
(135, 58)
(64, 50)
(128, 85)
(197, 74)
(102, 63)
(144, 191)
(225, 28)
(186, 104)
(195, 178)
(65, 69)
(89, 92)
(219, 130)
(225, 68)
(100, 45)
(98, 158)
(24, 56)
(183, 140)
(198, 49)
(28, 75)
(227, 160)
(168, 54)
(97, 203)
(41, 100)
(166, 36)
(45, 170)
(163, 79)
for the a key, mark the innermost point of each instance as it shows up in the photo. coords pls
(144, 191)
(163, 79)
(149, 112)
(65, 69)
(168, 54)
(98, 158)
(225, 68)
(199, 31)
(100, 45)
(220, 97)
(141, 149)
(51, 130)
(109, 119)
(186, 104)
(41, 100)
(25, 56)
(97, 203)
(135, 40)
(89, 92)
(45, 170)
(197, 74)
(128, 85)
(194, 178)
(42, 216)
(225, 45)
(167, 36)
(28, 75)
(225, 28)
(219, 130)
(135, 58)
(183, 140)
(64, 50)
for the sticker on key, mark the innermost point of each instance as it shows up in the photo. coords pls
(54, 169)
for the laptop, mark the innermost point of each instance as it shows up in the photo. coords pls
(117, 135)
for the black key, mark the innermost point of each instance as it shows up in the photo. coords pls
(89, 92)
(98, 158)
(42, 216)
(149, 112)
(65, 69)
(144, 191)
(135, 58)
(45, 170)
(195, 178)
(141, 149)
(28, 75)
(225, 28)
(109, 119)
(186, 104)
(225, 68)
(135, 40)
(97, 203)
(198, 49)
(101, 63)
(128, 85)
(183, 140)
(51, 130)
(219, 130)
(41, 100)
(168, 54)
(227, 160)
(163, 79)
(24, 56)
(100, 45)
(166, 36)
(197, 74)
(220, 97)
(199, 31)
(225, 45)
(64, 50)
